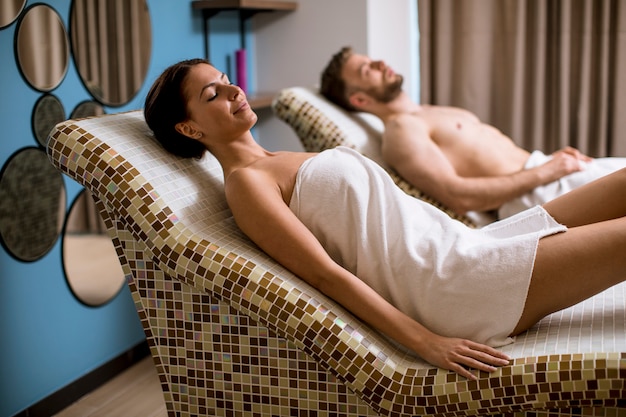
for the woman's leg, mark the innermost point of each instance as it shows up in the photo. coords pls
(587, 259)
(573, 266)
(602, 199)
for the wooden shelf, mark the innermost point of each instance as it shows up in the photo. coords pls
(247, 9)
(256, 5)
(260, 100)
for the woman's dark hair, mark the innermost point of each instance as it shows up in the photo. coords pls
(166, 105)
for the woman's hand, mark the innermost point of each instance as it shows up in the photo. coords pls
(460, 355)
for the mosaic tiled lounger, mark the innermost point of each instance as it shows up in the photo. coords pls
(234, 334)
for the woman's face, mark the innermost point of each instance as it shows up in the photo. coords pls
(217, 109)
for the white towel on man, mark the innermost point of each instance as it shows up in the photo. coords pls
(597, 168)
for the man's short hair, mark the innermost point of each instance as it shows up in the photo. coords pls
(332, 85)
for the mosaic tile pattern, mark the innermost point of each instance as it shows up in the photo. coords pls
(232, 333)
(320, 125)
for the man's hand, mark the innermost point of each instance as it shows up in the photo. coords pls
(568, 150)
(564, 162)
(460, 355)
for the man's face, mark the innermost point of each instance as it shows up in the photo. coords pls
(374, 78)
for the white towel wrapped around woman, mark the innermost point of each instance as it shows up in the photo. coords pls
(456, 281)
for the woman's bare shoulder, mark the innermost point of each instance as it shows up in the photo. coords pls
(275, 173)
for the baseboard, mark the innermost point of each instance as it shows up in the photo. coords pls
(69, 394)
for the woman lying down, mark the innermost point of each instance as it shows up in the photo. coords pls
(336, 219)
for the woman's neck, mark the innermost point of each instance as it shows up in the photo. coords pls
(238, 153)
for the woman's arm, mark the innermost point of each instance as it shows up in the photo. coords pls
(261, 213)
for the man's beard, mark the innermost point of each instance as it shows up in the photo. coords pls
(387, 92)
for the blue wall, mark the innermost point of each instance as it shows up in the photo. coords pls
(48, 338)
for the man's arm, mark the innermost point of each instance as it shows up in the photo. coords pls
(410, 151)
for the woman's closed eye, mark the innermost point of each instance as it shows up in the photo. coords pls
(215, 93)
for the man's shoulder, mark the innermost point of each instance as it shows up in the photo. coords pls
(403, 120)
(406, 126)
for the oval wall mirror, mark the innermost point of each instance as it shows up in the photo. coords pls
(32, 204)
(111, 45)
(92, 269)
(9, 11)
(48, 111)
(42, 47)
(87, 109)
